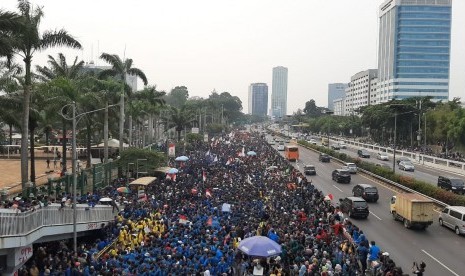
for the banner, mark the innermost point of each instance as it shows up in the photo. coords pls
(171, 150)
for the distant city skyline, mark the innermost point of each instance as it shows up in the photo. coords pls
(226, 45)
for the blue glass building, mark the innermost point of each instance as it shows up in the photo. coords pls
(414, 49)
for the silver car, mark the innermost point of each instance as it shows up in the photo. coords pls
(351, 167)
(382, 156)
(406, 166)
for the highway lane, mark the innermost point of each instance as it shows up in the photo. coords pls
(421, 172)
(439, 247)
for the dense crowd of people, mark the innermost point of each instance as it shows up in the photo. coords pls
(191, 223)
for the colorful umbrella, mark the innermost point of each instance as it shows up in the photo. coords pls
(123, 190)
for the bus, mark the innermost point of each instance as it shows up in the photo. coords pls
(291, 153)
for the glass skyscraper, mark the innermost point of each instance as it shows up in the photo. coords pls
(414, 49)
(258, 99)
(279, 92)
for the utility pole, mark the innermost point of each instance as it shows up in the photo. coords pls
(419, 125)
(395, 136)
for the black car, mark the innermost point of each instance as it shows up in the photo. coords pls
(452, 184)
(366, 191)
(324, 157)
(309, 170)
(341, 175)
(363, 153)
(354, 207)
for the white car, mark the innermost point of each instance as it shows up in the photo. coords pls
(382, 156)
(281, 147)
(342, 145)
(312, 141)
(352, 167)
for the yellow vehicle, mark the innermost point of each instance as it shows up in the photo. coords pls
(325, 141)
(291, 153)
(412, 209)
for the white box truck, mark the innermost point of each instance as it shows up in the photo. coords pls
(412, 209)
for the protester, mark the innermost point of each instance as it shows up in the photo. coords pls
(181, 227)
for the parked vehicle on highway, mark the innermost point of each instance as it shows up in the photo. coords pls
(354, 206)
(335, 147)
(454, 218)
(342, 145)
(271, 142)
(352, 167)
(309, 170)
(453, 184)
(401, 158)
(281, 146)
(366, 191)
(324, 157)
(341, 176)
(363, 153)
(412, 209)
(324, 141)
(382, 156)
(406, 166)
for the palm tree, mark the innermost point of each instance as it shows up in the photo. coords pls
(180, 119)
(119, 70)
(25, 42)
(60, 69)
(10, 22)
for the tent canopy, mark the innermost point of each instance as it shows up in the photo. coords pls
(143, 181)
(112, 143)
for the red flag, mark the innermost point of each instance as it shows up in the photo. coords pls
(204, 176)
(183, 219)
(208, 193)
(194, 191)
(209, 221)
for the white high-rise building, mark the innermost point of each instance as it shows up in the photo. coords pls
(279, 92)
(362, 87)
(335, 91)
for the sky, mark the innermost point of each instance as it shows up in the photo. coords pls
(225, 45)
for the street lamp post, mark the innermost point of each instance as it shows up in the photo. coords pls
(395, 136)
(74, 118)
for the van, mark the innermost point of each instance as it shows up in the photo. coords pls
(354, 207)
(454, 218)
(366, 191)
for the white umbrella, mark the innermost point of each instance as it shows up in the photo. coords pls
(105, 199)
(182, 158)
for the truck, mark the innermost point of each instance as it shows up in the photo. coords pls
(412, 209)
(325, 141)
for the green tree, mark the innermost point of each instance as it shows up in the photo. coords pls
(177, 96)
(60, 68)
(180, 119)
(25, 42)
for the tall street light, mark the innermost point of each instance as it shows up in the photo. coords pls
(74, 117)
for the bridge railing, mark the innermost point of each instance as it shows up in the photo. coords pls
(14, 223)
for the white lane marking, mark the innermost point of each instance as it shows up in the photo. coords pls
(432, 257)
(338, 188)
(375, 215)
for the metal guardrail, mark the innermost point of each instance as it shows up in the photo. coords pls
(14, 223)
(393, 183)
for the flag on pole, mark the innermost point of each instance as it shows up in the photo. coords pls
(183, 219)
(208, 193)
(204, 176)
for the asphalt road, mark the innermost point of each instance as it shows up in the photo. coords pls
(438, 247)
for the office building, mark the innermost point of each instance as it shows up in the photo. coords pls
(414, 49)
(131, 80)
(335, 91)
(279, 92)
(258, 99)
(339, 106)
(360, 91)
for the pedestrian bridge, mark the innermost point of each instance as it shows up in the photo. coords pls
(19, 230)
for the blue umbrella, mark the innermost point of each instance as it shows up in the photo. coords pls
(260, 246)
(182, 158)
(251, 153)
(173, 171)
